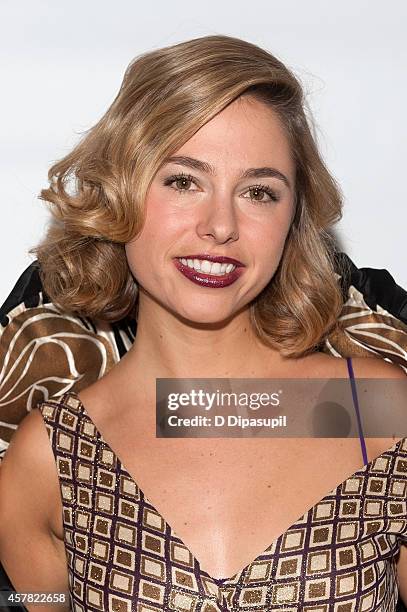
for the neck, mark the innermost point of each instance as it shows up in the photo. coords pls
(166, 346)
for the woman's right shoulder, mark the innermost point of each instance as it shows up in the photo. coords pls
(28, 474)
(30, 442)
(32, 556)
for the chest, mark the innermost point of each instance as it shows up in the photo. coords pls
(229, 502)
(229, 499)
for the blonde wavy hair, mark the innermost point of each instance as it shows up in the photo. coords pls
(97, 192)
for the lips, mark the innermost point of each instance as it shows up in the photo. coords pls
(209, 280)
(214, 258)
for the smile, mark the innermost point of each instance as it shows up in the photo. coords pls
(208, 267)
(208, 274)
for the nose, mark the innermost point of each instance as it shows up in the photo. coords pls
(218, 220)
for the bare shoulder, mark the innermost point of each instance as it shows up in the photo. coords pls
(29, 489)
(383, 399)
(28, 467)
(30, 438)
(324, 366)
(376, 367)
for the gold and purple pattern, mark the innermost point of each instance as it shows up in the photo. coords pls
(123, 556)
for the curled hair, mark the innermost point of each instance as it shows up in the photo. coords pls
(97, 192)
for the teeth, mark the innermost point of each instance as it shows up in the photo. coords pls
(208, 267)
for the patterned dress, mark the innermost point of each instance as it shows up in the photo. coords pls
(123, 556)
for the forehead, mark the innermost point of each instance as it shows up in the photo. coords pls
(246, 132)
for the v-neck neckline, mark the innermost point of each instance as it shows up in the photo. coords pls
(238, 574)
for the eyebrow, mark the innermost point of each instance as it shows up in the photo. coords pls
(197, 164)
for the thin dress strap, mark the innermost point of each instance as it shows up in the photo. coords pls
(356, 403)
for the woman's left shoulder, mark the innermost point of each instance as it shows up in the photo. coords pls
(322, 365)
(380, 397)
(376, 367)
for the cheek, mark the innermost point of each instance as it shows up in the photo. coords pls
(271, 242)
(139, 260)
(271, 234)
(165, 220)
(141, 248)
(133, 255)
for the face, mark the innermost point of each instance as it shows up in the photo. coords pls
(203, 204)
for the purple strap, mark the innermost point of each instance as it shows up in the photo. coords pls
(355, 401)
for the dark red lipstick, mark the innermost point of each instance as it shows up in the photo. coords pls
(210, 280)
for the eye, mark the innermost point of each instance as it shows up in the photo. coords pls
(260, 190)
(183, 181)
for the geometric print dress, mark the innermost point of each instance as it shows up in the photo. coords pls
(122, 555)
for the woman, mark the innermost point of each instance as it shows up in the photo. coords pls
(205, 154)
